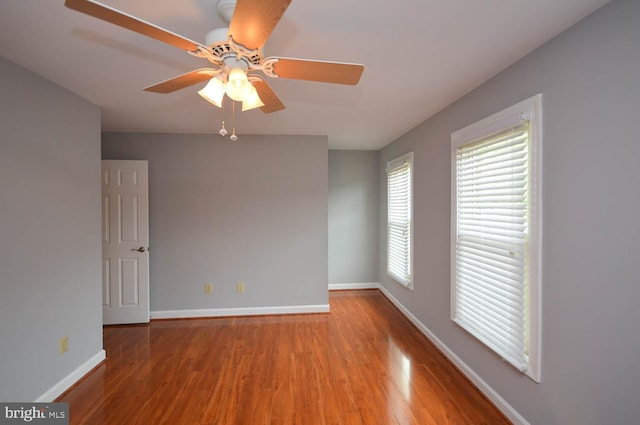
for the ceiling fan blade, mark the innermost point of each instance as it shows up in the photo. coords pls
(311, 70)
(109, 14)
(272, 102)
(182, 81)
(254, 20)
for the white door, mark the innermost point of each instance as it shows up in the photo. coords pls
(125, 242)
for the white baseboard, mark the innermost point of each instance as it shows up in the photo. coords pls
(244, 311)
(348, 286)
(482, 385)
(65, 383)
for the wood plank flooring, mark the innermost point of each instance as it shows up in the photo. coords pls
(362, 364)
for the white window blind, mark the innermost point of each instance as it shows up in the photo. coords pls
(399, 218)
(495, 239)
(491, 246)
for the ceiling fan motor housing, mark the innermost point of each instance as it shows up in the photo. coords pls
(216, 37)
(218, 41)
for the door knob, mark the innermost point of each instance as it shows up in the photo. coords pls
(141, 249)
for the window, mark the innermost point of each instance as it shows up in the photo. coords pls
(495, 258)
(399, 219)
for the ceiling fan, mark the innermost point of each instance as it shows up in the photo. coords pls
(235, 54)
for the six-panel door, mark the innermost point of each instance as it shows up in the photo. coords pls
(125, 242)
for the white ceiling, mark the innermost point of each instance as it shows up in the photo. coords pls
(419, 56)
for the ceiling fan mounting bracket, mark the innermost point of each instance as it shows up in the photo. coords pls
(222, 50)
(267, 67)
(207, 53)
(251, 56)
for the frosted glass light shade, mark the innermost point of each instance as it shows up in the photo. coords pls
(238, 86)
(252, 101)
(213, 92)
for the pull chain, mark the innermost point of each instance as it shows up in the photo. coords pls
(223, 131)
(233, 136)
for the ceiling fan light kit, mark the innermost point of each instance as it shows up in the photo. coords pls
(238, 86)
(235, 54)
(213, 92)
(252, 101)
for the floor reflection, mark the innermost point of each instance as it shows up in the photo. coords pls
(400, 368)
(399, 387)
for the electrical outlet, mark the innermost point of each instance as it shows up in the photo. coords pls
(208, 288)
(240, 287)
(64, 344)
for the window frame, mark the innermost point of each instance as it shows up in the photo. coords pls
(529, 109)
(394, 164)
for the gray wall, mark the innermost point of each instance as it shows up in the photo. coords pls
(222, 212)
(589, 77)
(50, 251)
(353, 217)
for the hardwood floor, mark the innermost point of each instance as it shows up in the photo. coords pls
(362, 364)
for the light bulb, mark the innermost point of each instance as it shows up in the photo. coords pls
(238, 86)
(213, 92)
(223, 131)
(233, 136)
